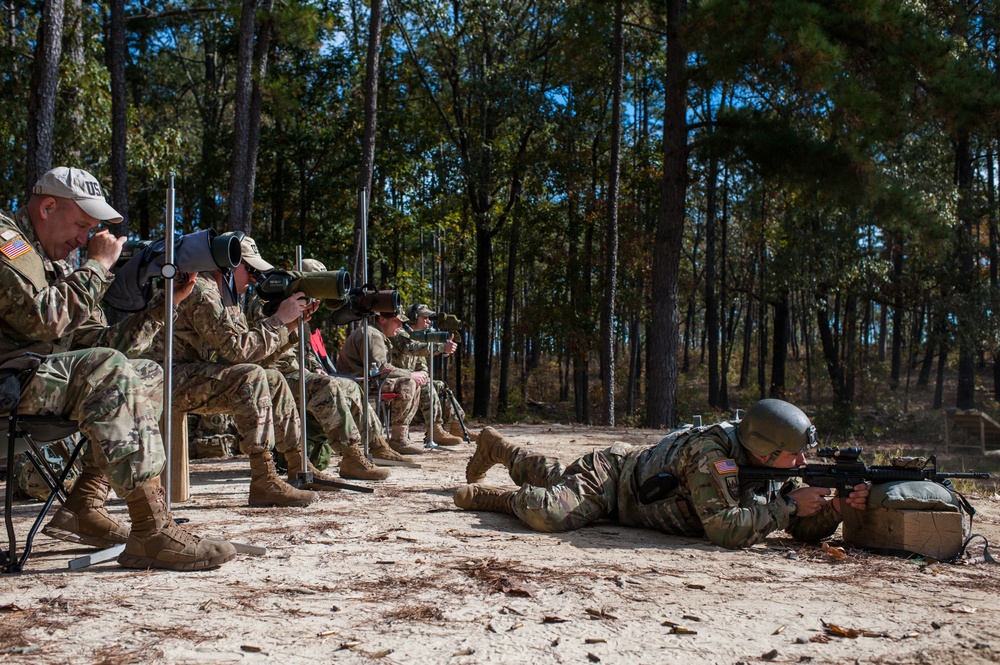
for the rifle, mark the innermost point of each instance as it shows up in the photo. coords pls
(847, 470)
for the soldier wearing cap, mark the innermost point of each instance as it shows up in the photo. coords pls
(404, 382)
(698, 467)
(216, 370)
(70, 363)
(335, 401)
(415, 355)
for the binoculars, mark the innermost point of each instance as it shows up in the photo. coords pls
(330, 286)
(365, 301)
(429, 336)
(143, 260)
(447, 322)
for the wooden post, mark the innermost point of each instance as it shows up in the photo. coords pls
(947, 433)
(179, 489)
(982, 433)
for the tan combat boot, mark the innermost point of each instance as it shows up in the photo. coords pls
(491, 449)
(455, 428)
(399, 440)
(83, 518)
(268, 489)
(355, 466)
(157, 542)
(381, 450)
(485, 497)
(442, 438)
(293, 458)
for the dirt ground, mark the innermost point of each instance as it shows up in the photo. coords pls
(402, 576)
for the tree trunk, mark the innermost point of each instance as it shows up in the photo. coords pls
(966, 390)
(506, 334)
(780, 351)
(368, 134)
(897, 314)
(482, 336)
(611, 237)
(664, 338)
(711, 304)
(256, 106)
(119, 115)
(44, 85)
(238, 179)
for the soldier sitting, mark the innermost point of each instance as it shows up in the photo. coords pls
(72, 364)
(216, 370)
(335, 401)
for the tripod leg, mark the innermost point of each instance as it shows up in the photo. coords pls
(458, 414)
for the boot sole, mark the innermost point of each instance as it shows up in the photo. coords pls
(79, 538)
(271, 504)
(132, 561)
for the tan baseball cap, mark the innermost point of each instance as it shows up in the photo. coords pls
(80, 186)
(420, 309)
(312, 265)
(251, 255)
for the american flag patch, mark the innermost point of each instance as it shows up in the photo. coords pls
(15, 248)
(724, 466)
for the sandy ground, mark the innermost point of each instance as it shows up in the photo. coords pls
(402, 576)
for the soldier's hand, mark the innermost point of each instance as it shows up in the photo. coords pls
(105, 248)
(419, 378)
(310, 310)
(858, 498)
(183, 286)
(291, 308)
(811, 500)
(450, 346)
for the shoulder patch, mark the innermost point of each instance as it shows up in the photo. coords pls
(725, 467)
(18, 253)
(7, 234)
(15, 248)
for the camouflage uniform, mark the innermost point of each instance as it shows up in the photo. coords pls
(707, 501)
(83, 368)
(215, 368)
(412, 355)
(335, 401)
(351, 361)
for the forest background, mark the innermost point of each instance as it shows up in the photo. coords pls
(640, 210)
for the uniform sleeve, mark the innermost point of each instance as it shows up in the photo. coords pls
(133, 336)
(227, 334)
(816, 527)
(712, 479)
(48, 314)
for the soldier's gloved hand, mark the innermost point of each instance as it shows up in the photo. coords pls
(811, 500)
(858, 498)
(105, 248)
(291, 308)
(183, 286)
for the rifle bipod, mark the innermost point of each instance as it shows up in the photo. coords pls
(306, 481)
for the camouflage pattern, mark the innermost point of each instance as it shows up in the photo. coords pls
(30, 483)
(210, 327)
(49, 309)
(211, 436)
(216, 354)
(334, 401)
(414, 356)
(708, 500)
(351, 360)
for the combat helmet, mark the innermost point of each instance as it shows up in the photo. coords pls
(772, 426)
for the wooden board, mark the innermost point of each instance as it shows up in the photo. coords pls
(980, 428)
(932, 533)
